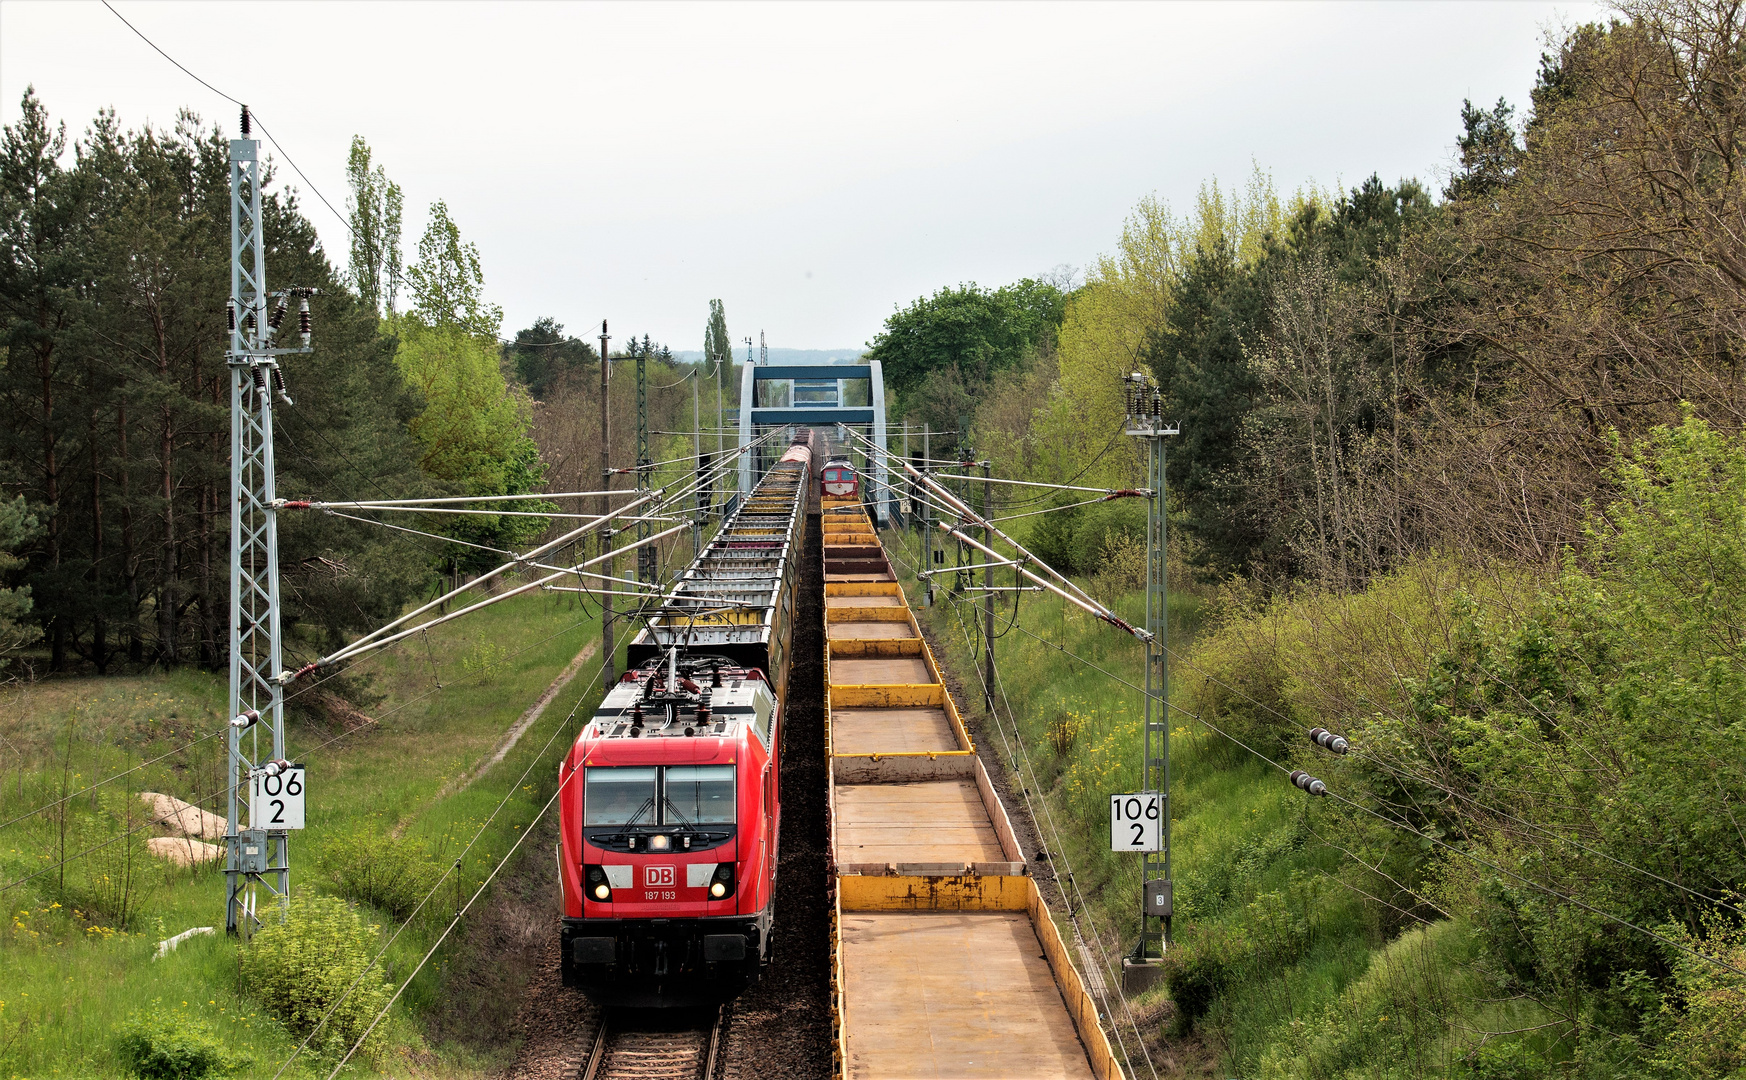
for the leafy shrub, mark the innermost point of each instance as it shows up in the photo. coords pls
(1083, 539)
(1512, 1060)
(1106, 527)
(393, 876)
(1122, 568)
(1050, 537)
(159, 1045)
(1199, 969)
(301, 967)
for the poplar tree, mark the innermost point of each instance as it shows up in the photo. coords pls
(374, 208)
(717, 349)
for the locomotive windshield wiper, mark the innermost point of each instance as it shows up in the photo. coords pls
(648, 804)
(683, 820)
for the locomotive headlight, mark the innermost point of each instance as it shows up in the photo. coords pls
(598, 886)
(659, 843)
(721, 885)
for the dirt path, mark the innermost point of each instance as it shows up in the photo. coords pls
(534, 712)
(511, 737)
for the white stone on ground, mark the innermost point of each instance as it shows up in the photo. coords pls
(183, 851)
(184, 818)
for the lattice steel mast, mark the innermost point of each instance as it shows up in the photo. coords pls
(254, 857)
(1145, 420)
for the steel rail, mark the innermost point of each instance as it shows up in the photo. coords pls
(681, 1062)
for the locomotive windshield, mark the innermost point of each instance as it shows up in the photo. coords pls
(619, 796)
(699, 795)
(626, 795)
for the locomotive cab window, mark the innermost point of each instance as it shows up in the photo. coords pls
(699, 795)
(619, 796)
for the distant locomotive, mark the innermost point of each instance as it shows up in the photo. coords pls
(669, 835)
(837, 479)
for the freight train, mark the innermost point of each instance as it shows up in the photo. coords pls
(670, 797)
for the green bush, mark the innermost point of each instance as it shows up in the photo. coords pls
(1199, 969)
(1050, 536)
(299, 968)
(1511, 1060)
(163, 1046)
(1079, 540)
(393, 876)
(1106, 526)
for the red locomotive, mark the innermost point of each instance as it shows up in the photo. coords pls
(837, 479)
(670, 801)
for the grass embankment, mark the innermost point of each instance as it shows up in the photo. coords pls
(386, 812)
(1281, 967)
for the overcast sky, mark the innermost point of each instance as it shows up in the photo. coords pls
(812, 165)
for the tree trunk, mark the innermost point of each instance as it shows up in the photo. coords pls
(168, 583)
(99, 634)
(211, 501)
(129, 554)
(51, 486)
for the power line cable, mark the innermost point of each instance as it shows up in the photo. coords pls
(421, 532)
(1435, 840)
(125, 772)
(1439, 842)
(480, 891)
(1543, 830)
(167, 56)
(1458, 851)
(253, 115)
(1429, 782)
(177, 750)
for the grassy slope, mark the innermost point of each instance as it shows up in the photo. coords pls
(1309, 982)
(71, 975)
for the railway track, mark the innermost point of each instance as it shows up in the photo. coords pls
(664, 1046)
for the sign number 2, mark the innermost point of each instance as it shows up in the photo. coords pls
(276, 802)
(1136, 821)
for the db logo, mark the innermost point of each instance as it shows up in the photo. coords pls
(658, 877)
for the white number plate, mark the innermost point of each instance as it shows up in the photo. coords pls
(1136, 821)
(276, 802)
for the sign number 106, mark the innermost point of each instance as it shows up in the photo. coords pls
(276, 801)
(1136, 821)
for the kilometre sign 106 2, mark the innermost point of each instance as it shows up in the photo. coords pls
(1136, 821)
(276, 799)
